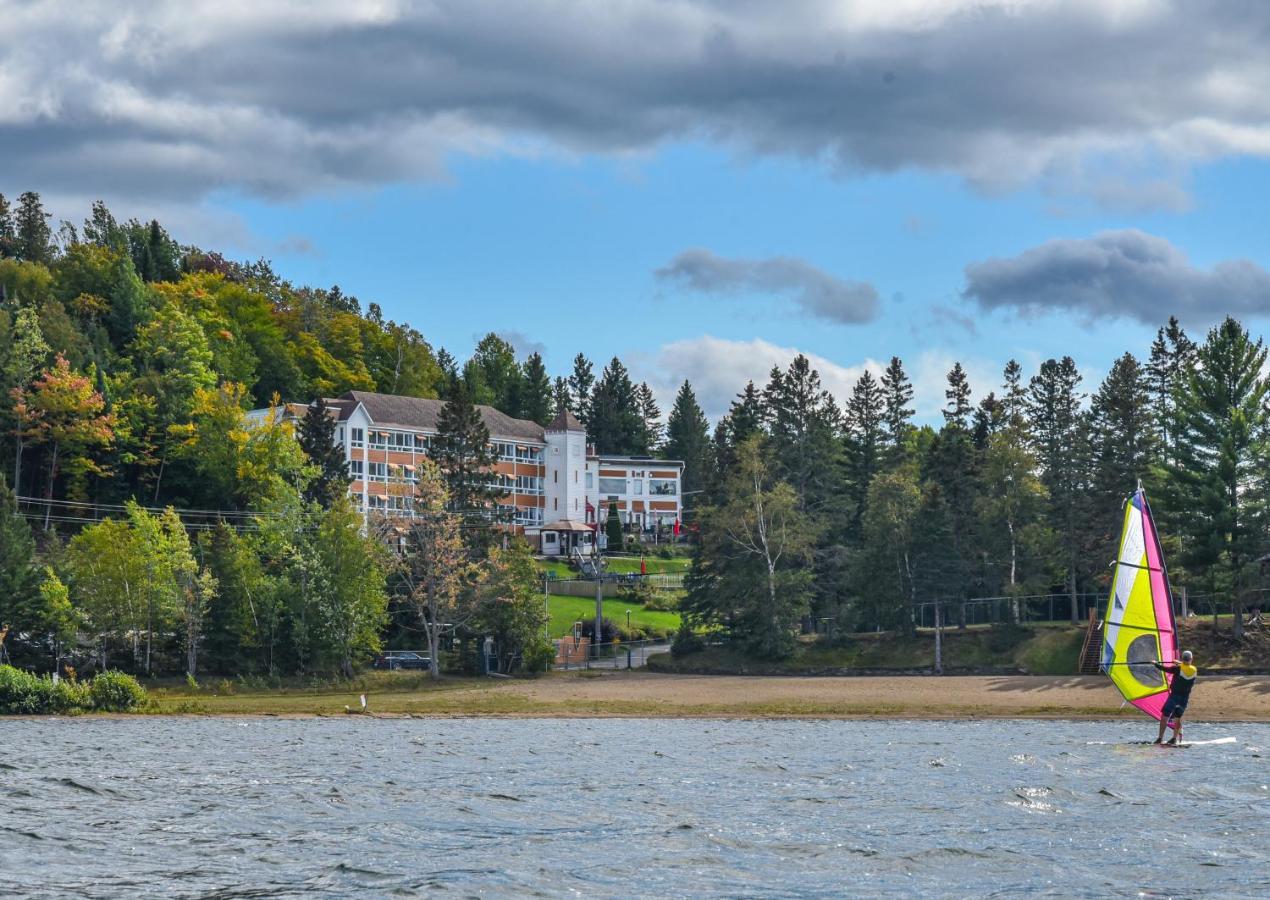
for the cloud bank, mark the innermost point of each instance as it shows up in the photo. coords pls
(814, 291)
(1127, 274)
(169, 101)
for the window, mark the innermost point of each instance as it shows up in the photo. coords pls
(379, 438)
(663, 487)
(549, 537)
(359, 437)
(378, 471)
(555, 502)
(355, 469)
(505, 451)
(555, 476)
(423, 443)
(638, 486)
(528, 454)
(612, 485)
(528, 484)
(339, 435)
(590, 480)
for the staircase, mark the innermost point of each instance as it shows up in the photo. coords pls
(1091, 651)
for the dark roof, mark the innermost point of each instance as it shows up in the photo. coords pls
(566, 421)
(651, 461)
(414, 412)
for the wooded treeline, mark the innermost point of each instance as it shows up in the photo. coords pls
(853, 515)
(129, 362)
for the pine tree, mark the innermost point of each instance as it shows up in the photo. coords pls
(744, 419)
(1014, 396)
(1060, 438)
(449, 367)
(581, 384)
(32, 231)
(317, 439)
(560, 398)
(864, 445)
(1172, 355)
(688, 440)
(465, 457)
(897, 394)
(8, 232)
(615, 424)
(28, 354)
(1218, 481)
(494, 378)
(20, 606)
(951, 464)
(650, 415)
(535, 398)
(803, 427)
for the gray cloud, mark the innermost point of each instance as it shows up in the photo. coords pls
(176, 101)
(816, 292)
(1118, 273)
(525, 345)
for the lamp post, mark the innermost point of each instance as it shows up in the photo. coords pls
(628, 622)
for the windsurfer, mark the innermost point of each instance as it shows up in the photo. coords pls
(1184, 674)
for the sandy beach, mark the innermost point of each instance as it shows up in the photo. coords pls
(1217, 698)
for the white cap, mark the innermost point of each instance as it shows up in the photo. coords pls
(1186, 656)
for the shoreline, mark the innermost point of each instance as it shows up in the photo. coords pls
(1227, 698)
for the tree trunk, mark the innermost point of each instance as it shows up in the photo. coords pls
(1071, 590)
(48, 493)
(939, 641)
(1237, 607)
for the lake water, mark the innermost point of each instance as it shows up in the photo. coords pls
(342, 807)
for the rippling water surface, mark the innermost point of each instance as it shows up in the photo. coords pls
(256, 807)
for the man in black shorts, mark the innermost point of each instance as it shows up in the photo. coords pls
(1184, 674)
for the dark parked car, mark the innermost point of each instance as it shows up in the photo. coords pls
(401, 659)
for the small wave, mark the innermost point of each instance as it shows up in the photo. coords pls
(505, 797)
(938, 762)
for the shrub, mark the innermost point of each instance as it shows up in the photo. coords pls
(116, 692)
(22, 693)
(69, 697)
(662, 601)
(665, 552)
(686, 641)
(539, 658)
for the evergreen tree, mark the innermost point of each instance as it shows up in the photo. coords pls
(897, 394)
(493, 376)
(536, 396)
(1014, 397)
(613, 529)
(317, 439)
(1060, 438)
(465, 457)
(8, 232)
(864, 443)
(581, 384)
(101, 229)
(22, 611)
(28, 354)
(951, 465)
(615, 424)
(803, 428)
(1218, 483)
(32, 232)
(560, 397)
(1172, 355)
(650, 416)
(743, 420)
(753, 575)
(688, 440)
(1122, 438)
(449, 367)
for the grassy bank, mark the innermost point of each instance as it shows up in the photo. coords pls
(1048, 649)
(622, 565)
(1044, 650)
(564, 611)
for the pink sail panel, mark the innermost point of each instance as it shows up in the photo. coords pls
(1153, 706)
(1160, 593)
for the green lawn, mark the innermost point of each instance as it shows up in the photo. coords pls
(567, 610)
(622, 565)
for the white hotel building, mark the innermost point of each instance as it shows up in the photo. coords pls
(555, 486)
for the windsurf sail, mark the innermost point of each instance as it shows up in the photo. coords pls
(1139, 628)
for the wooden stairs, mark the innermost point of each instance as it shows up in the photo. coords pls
(1091, 650)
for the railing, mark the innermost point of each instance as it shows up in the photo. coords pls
(611, 656)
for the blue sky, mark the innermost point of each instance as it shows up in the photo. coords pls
(701, 187)
(562, 253)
